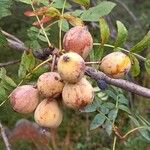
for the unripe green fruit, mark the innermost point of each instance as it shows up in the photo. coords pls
(48, 114)
(50, 84)
(116, 64)
(78, 39)
(24, 99)
(71, 67)
(78, 95)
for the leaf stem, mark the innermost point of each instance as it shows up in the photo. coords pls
(122, 49)
(92, 62)
(114, 143)
(37, 67)
(41, 25)
(133, 130)
(60, 25)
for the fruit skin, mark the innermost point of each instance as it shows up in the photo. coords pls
(71, 67)
(24, 99)
(50, 84)
(116, 64)
(78, 39)
(48, 114)
(78, 95)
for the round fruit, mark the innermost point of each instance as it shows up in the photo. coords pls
(48, 114)
(50, 84)
(71, 67)
(78, 39)
(116, 64)
(78, 95)
(24, 99)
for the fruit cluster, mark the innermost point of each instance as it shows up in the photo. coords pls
(67, 82)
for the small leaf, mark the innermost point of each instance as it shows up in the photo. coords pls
(4, 8)
(3, 94)
(59, 4)
(109, 105)
(134, 120)
(2, 73)
(94, 13)
(104, 30)
(147, 63)
(97, 121)
(142, 44)
(124, 108)
(108, 127)
(25, 1)
(9, 81)
(84, 3)
(73, 20)
(29, 61)
(90, 108)
(122, 99)
(121, 35)
(111, 94)
(64, 25)
(22, 68)
(113, 114)
(135, 68)
(104, 109)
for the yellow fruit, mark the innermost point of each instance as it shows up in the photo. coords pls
(24, 99)
(78, 95)
(78, 39)
(50, 84)
(48, 114)
(116, 64)
(71, 67)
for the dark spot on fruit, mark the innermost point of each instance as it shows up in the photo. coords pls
(54, 115)
(66, 58)
(56, 78)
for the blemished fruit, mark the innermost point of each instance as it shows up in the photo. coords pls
(78, 39)
(48, 114)
(78, 95)
(24, 99)
(50, 84)
(71, 67)
(116, 64)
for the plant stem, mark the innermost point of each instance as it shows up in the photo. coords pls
(92, 62)
(122, 49)
(37, 67)
(114, 143)
(132, 130)
(60, 26)
(41, 25)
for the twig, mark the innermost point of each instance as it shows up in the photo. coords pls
(93, 62)
(5, 139)
(9, 63)
(122, 49)
(60, 26)
(126, 85)
(12, 37)
(53, 62)
(41, 25)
